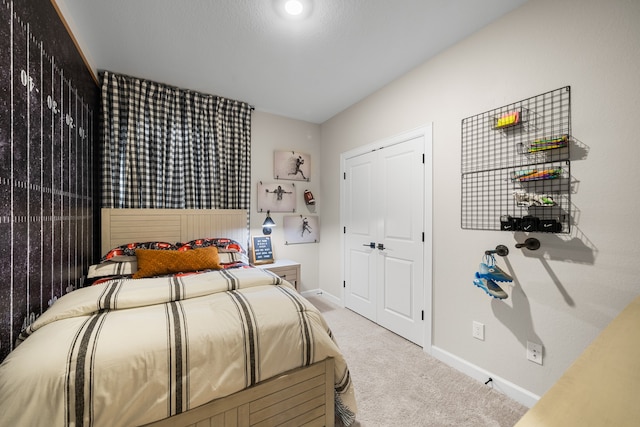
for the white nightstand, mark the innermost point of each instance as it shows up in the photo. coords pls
(285, 268)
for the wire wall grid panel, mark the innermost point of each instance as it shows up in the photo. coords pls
(516, 169)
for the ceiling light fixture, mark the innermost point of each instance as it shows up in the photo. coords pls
(293, 7)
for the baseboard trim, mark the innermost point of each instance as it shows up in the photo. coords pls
(500, 384)
(322, 294)
(505, 387)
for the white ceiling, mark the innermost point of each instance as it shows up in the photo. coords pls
(309, 68)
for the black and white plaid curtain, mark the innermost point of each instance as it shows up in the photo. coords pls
(164, 147)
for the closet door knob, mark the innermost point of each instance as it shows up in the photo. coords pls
(381, 246)
(372, 245)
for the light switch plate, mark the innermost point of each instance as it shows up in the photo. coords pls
(478, 330)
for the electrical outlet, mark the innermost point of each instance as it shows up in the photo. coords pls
(534, 352)
(478, 330)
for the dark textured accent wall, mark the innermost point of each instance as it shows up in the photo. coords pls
(47, 134)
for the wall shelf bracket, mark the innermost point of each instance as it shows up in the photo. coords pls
(531, 243)
(501, 250)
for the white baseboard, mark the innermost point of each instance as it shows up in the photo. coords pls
(323, 294)
(505, 387)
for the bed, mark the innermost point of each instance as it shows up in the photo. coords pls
(227, 346)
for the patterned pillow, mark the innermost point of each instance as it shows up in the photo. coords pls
(219, 242)
(153, 262)
(130, 249)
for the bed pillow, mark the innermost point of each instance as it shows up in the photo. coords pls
(153, 262)
(129, 249)
(218, 242)
(122, 258)
(112, 268)
(231, 256)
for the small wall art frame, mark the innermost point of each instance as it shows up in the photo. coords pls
(276, 197)
(291, 165)
(301, 229)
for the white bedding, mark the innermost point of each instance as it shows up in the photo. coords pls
(129, 352)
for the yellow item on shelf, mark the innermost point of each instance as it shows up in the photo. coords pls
(509, 119)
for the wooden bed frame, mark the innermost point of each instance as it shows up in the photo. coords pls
(120, 226)
(303, 396)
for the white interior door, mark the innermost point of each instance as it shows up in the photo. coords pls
(384, 232)
(362, 224)
(401, 226)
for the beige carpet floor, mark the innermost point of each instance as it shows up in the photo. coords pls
(397, 384)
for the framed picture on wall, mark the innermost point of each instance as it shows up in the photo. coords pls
(291, 165)
(301, 229)
(276, 197)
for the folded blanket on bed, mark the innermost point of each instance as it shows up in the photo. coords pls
(129, 352)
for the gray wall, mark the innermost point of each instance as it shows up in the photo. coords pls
(271, 133)
(566, 292)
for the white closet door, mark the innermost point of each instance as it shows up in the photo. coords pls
(362, 232)
(384, 197)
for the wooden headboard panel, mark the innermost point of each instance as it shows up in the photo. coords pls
(120, 226)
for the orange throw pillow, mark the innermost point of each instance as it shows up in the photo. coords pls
(152, 262)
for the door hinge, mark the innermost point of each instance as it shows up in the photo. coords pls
(344, 231)
(422, 158)
(422, 314)
(344, 176)
(423, 237)
(344, 284)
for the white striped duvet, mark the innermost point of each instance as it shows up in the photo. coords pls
(129, 352)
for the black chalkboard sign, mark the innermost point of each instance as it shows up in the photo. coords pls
(261, 250)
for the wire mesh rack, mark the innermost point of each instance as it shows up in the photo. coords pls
(516, 168)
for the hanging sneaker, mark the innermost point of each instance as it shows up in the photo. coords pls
(490, 287)
(493, 272)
